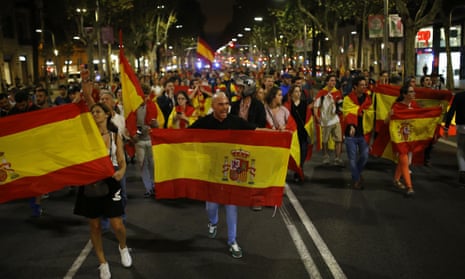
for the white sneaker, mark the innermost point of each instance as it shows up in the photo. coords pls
(104, 271)
(126, 259)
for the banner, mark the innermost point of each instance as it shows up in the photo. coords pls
(245, 168)
(46, 150)
(375, 26)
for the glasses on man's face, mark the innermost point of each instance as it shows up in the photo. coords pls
(180, 99)
(411, 91)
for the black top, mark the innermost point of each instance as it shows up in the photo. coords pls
(232, 122)
(256, 113)
(457, 107)
(359, 127)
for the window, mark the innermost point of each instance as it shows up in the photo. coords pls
(455, 35)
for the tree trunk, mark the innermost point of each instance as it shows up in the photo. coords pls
(409, 50)
(450, 75)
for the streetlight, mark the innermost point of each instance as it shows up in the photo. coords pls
(55, 50)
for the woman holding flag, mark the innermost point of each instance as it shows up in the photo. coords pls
(406, 101)
(108, 203)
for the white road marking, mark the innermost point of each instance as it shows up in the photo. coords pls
(328, 258)
(448, 142)
(309, 264)
(79, 260)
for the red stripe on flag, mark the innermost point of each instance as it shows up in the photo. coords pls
(220, 193)
(14, 124)
(32, 186)
(260, 138)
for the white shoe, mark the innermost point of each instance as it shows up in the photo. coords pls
(104, 271)
(126, 259)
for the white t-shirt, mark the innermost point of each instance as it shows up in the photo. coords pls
(327, 110)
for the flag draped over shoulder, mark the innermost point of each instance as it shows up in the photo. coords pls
(46, 150)
(238, 167)
(351, 110)
(133, 96)
(295, 155)
(204, 51)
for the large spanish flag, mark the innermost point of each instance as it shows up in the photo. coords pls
(238, 167)
(45, 150)
(133, 96)
(385, 96)
(205, 51)
(411, 130)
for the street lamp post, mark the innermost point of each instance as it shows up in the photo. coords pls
(385, 49)
(55, 50)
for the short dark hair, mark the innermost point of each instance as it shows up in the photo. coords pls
(22, 96)
(356, 80)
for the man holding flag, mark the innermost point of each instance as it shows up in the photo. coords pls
(221, 119)
(358, 115)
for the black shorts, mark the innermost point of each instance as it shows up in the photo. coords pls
(108, 206)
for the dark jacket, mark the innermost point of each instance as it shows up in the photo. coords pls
(256, 115)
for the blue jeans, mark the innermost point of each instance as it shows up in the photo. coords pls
(231, 218)
(357, 153)
(144, 159)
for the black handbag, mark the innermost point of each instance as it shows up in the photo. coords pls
(97, 189)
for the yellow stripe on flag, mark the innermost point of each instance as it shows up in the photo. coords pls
(30, 152)
(197, 161)
(418, 129)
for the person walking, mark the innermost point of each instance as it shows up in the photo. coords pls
(358, 120)
(457, 108)
(221, 119)
(326, 110)
(109, 203)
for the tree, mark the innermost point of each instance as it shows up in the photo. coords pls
(327, 16)
(415, 14)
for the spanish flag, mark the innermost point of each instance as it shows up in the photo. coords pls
(244, 168)
(45, 150)
(204, 51)
(133, 96)
(385, 96)
(411, 130)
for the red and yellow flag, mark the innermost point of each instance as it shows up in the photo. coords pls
(133, 96)
(238, 167)
(385, 96)
(46, 150)
(204, 51)
(411, 130)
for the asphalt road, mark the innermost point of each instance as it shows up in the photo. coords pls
(323, 230)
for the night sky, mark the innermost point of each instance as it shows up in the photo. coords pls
(218, 13)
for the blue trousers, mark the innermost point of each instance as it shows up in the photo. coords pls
(231, 218)
(357, 153)
(144, 159)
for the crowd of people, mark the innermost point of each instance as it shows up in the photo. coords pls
(342, 109)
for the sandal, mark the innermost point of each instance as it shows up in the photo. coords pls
(399, 185)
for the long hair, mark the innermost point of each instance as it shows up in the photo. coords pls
(403, 91)
(110, 125)
(271, 95)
